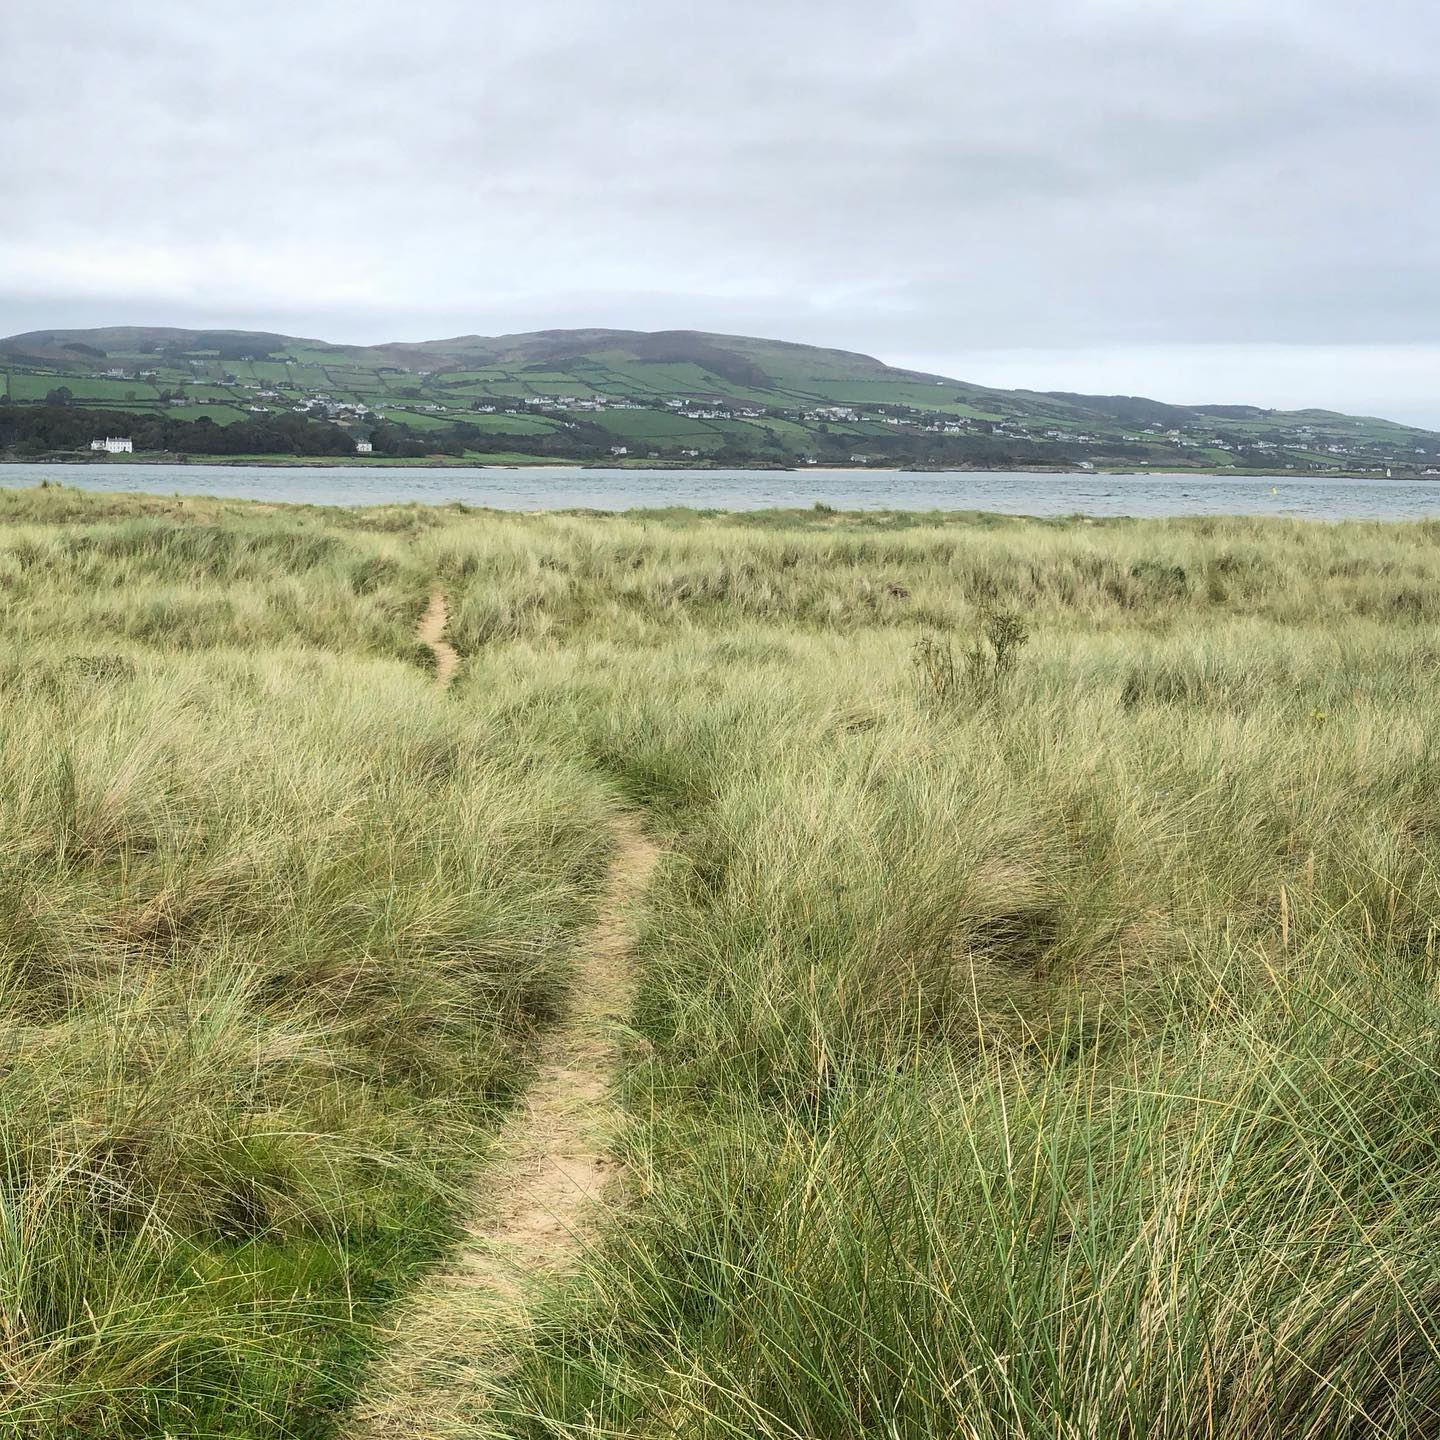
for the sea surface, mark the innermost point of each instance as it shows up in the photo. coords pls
(566, 487)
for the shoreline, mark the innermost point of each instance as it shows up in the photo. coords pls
(329, 462)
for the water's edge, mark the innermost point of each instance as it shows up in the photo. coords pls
(1039, 493)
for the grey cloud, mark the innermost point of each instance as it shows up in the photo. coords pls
(920, 179)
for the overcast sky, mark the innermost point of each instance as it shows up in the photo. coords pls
(1199, 200)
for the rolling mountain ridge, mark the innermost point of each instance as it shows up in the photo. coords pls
(669, 395)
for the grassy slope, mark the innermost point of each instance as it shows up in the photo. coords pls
(1042, 1050)
(651, 368)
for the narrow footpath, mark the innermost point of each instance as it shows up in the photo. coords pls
(535, 1207)
(431, 632)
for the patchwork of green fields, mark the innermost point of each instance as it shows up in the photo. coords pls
(790, 382)
(22, 386)
(513, 424)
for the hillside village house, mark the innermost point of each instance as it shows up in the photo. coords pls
(114, 445)
(363, 447)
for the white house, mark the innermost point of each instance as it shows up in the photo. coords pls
(363, 447)
(114, 445)
(619, 449)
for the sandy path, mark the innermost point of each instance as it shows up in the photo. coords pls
(431, 632)
(535, 1206)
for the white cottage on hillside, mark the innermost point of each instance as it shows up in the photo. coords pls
(114, 445)
(363, 447)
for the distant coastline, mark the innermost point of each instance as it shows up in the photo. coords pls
(1169, 472)
(679, 400)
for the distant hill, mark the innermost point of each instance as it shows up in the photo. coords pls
(675, 395)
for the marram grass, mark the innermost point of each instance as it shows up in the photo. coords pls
(1037, 1044)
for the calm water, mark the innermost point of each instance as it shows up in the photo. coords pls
(560, 487)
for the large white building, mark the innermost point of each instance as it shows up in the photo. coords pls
(114, 445)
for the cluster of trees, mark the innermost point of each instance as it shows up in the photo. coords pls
(29, 430)
(59, 425)
(588, 441)
(42, 429)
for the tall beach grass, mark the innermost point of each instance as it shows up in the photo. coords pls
(1039, 1045)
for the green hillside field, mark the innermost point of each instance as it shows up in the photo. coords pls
(739, 401)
